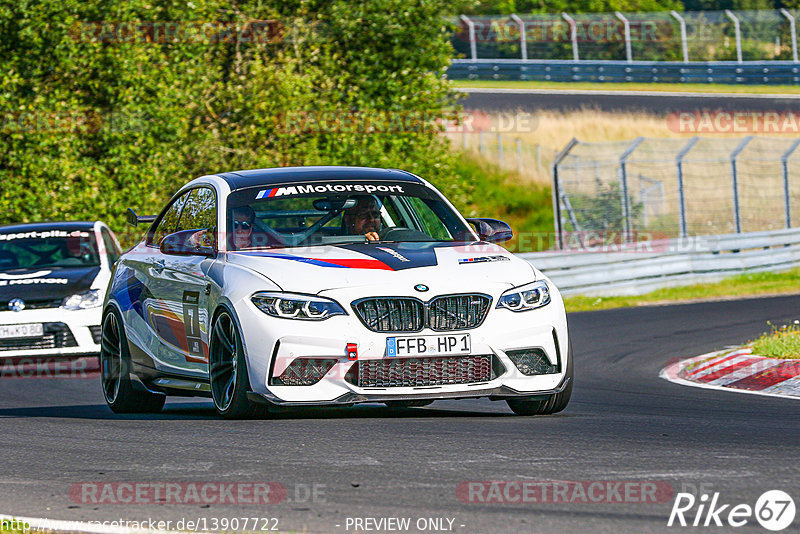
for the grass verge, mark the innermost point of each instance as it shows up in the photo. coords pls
(743, 285)
(504, 195)
(781, 342)
(660, 87)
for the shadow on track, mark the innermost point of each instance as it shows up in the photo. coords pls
(196, 410)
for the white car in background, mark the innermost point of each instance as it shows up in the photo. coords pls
(53, 278)
(328, 286)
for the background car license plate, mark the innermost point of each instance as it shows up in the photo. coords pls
(8, 331)
(427, 345)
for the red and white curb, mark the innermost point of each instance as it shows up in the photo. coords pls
(737, 370)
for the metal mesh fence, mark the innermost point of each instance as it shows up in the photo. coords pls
(678, 187)
(764, 35)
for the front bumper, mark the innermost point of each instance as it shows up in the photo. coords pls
(272, 344)
(66, 332)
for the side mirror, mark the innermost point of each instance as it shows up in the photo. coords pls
(492, 230)
(186, 243)
(135, 220)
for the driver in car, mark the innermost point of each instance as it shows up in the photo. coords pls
(364, 217)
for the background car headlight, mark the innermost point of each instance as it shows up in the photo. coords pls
(527, 297)
(82, 301)
(291, 306)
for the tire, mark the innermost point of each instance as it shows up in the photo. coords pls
(227, 370)
(408, 403)
(549, 404)
(121, 393)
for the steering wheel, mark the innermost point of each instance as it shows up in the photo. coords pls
(386, 233)
(400, 233)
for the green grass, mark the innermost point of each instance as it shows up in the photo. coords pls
(743, 285)
(781, 342)
(597, 86)
(499, 194)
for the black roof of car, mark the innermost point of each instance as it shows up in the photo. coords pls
(67, 226)
(280, 175)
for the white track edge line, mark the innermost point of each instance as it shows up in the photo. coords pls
(38, 524)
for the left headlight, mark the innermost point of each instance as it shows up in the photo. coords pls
(84, 300)
(527, 297)
(292, 306)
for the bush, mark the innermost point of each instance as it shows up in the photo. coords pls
(94, 123)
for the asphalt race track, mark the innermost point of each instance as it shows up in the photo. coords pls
(623, 424)
(510, 100)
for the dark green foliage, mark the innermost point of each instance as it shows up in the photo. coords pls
(95, 120)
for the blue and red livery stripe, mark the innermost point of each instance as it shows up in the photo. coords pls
(266, 193)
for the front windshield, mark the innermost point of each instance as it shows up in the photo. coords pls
(335, 213)
(47, 248)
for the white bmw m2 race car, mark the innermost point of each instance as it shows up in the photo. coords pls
(328, 286)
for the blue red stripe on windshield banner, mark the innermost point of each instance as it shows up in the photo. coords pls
(266, 193)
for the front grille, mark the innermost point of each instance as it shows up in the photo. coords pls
(408, 314)
(391, 314)
(56, 336)
(430, 371)
(96, 333)
(457, 312)
(35, 304)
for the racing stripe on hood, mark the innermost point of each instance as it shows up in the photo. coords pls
(342, 263)
(400, 256)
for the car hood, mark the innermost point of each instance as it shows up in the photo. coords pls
(45, 284)
(316, 269)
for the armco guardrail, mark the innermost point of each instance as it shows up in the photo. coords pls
(646, 266)
(751, 72)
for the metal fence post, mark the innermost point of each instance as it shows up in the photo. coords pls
(738, 32)
(523, 39)
(481, 143)
(499, 150)
(787, 201)
(626, 201)
(519, 155)
(793, 29)
(681, 196)
(473, 41)
(627, 28)
(573, 34)
(735, 182)
(557, 191)
(684, 42)
(538, 156)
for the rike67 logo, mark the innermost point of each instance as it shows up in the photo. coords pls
(774, 510)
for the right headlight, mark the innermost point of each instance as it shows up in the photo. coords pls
(294, 306)
(527, 297)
